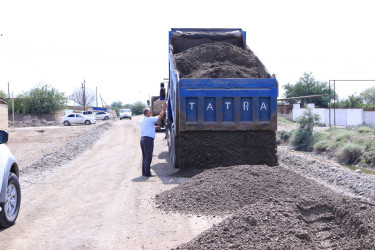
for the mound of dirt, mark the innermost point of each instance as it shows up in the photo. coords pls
(157, 106)
(217, 60)
(31, 121)
(271, 208)
(225, 148)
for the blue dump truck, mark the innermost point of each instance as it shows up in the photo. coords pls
(221, 101)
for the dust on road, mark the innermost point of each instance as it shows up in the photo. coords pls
(101, 201)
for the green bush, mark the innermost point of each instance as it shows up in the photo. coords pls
(138, 107)
(349, 153)
(302, 138)
(344, 135)
(321, 146)
(365, 129)
(282, 120)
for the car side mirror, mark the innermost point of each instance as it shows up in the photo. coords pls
(3, 136)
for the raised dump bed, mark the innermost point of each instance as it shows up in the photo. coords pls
(222, 102)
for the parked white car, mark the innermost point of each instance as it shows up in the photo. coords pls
(77, 119)
(10, 190)
(125, 113)
(101, 115)
(88, 113)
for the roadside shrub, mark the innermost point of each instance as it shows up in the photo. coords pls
(365, 129)
(349, 153)
(343, 134)
(285, 135)
(321, 146)
(302, 137)
(282, 120)
(278, 140)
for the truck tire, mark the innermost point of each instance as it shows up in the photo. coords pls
(11, 207)
(174, 150)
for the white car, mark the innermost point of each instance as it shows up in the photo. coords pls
(77, 119)
(10, 190)
(101, 115)
(88, 113)
(125, 113)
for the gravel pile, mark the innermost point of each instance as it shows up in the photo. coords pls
(157, 107)
(217, 60)
(349, 182)
(271, 208)
(30, 121)
(33, 172)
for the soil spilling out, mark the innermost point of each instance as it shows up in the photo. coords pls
(271, 208)
(201, 150)
(156, 105)
(217, 60)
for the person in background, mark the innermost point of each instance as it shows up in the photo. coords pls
(147, 138)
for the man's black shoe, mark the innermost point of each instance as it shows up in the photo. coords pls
(149, 175)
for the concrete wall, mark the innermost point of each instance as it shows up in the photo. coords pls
(344, 117)
(3, 116)
(286, 116)
(369, 118)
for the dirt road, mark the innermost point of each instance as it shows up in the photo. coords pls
(101, 201)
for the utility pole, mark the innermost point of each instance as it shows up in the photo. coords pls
(8, 91)
(84, 94)
(96, 95)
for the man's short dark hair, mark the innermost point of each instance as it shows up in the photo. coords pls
(145, 111)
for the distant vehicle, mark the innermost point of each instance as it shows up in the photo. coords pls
(10, 191)
(77, 119)
(125, 113)
(88, 113)
(101, 115)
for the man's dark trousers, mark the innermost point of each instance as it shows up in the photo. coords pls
(147, 145)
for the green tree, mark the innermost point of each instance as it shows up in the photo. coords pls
(41, 99)
(3, 95)
(44, 99)
(368, 96)
(308, 85)
(353, 101)
(117, 106)
(138, 107)
(302, 137)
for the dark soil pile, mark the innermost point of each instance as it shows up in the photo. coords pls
(217, 60)
(271, 208)
(225, 148)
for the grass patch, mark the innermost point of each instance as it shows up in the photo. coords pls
(365, 129)
(364, 170)
(283, 121)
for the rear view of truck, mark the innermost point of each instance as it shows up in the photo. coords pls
(222, 102)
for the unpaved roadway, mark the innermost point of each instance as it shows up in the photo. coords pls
(101, 201)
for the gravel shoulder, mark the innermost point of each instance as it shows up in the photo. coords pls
(99, 200)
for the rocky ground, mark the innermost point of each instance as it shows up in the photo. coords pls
(306, 202)
(68, 151)
(301, 204)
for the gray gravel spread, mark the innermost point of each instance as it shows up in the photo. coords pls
(346, 181)
(32, 173)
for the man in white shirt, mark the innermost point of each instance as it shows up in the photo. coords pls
(147, 138)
